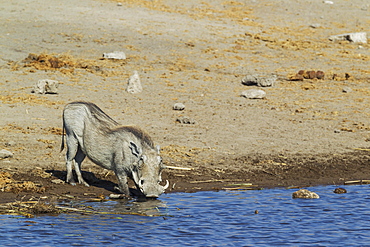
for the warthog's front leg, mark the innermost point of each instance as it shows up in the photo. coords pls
(122, 183)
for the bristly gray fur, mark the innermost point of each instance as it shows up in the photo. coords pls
(97, 113)
(103, 121)
(139, 133)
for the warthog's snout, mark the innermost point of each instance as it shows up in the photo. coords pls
(151, 190)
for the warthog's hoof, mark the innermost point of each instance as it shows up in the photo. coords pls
(86, 184)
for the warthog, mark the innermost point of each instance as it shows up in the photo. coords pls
(126, 150)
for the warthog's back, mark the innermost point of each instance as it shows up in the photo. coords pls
(140, 135)
(81, 110)
(76, 115)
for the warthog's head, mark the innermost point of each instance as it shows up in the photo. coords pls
(146, 173)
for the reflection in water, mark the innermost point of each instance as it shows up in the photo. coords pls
(150, 207)
(206, 219)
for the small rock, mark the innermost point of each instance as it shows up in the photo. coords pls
(320, 74)
(254, 94)
(119, 4)
(309, 74)
(9, 143)
(328, 2)
(46, 86)
(340, 191)
(250, 80)
(5, 154)
(134, 84)
(267, 82)
(336, 131)
(359, 37)
(185, 120)
(315, 25)
(305, 194)
(179, 106)
(346, 90)
(302, 74)
(119, 55)
(57, 181)
(296, 77)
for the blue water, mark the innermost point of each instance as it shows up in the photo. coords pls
(225, 218)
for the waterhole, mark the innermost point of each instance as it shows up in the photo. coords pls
(225, 218)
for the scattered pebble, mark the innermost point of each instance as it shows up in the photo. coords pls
(307, 74)
(328, 2)
(5, 154)
(9, 143)
(305, 194)
(359, 37)
(315, 25)
(179, 106)
(134, 84)
(119, 55)
(340, 191)
(254, 94)
(46, 86)
(320, 74)
(341, 77)
(251, 80)
(347, 90)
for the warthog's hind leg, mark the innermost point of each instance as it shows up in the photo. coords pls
(72, 145)
(80, 156)
(70, 179)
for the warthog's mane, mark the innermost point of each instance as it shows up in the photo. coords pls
(138, 133)
(107, 125)
(98, 114)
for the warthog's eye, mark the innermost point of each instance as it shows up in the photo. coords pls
(141, 182)
(141, 161)
(143, 158)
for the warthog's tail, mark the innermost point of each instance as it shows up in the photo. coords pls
(62, 145)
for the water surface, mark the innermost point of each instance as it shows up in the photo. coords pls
(225, 218)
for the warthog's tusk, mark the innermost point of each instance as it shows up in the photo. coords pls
(166, 186)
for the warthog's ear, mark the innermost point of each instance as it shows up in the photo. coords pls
(158, 149)
(135, 149)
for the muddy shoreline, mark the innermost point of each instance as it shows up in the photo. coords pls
(252, 172)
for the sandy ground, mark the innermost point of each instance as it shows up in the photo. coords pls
(195, 52)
